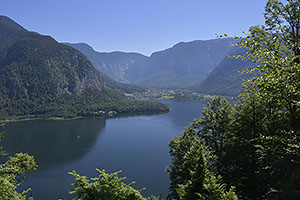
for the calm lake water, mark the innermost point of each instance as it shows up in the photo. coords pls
(137, 145)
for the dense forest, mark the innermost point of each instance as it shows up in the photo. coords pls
(254, 145)
(245, 151)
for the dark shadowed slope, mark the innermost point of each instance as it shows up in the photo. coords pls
(225, 79)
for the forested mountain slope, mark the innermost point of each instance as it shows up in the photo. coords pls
(41, 77)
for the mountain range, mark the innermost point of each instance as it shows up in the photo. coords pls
(114, 64)
(181, 66)
(203, 66)
(42, 77)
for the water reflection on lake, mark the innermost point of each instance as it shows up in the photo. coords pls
(137, 145)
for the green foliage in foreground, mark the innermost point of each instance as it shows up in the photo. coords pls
(12, 173)
(105, 187)
(255, 144)
(251, 146)
(190, 174)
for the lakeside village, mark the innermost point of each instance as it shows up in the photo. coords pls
(163, 94)
(176, 95)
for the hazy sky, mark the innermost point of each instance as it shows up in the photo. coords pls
(141, 26)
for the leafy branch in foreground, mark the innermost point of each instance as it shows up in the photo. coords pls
(275, 47)
(193, 172)
(12, 172)
(105, 187)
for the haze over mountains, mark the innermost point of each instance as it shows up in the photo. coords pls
(226, 78)
(203, 66)
(113, 64)
(181, 66)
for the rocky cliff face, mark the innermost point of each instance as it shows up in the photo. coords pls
(114, 64)
(90, 81)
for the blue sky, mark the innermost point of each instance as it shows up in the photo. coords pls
(141, 26)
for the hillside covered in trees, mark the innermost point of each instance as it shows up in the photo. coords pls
(252, 146)
(40, 77)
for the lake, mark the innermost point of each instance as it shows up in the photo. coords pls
(137, 145)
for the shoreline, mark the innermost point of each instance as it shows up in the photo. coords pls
(125, 114)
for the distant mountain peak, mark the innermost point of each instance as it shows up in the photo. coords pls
(81, 45)
(6, 21)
